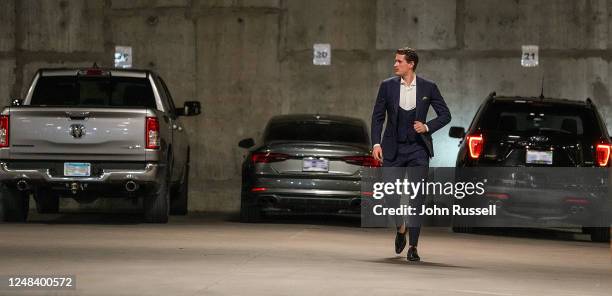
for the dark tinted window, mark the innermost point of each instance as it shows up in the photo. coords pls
(100, 91)
(317, 131)
(514, 117)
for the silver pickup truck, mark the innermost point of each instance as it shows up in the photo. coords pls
(89, 133)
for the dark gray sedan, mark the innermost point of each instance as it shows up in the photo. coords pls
(305, 163)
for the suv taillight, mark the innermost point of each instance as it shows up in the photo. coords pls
(475, 144)
(366, 161)
(4, 131)
(152, 133)
(267, 157)
(603, 154)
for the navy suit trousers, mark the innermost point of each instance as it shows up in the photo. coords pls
(411, 162)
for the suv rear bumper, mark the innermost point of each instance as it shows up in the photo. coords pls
(43, 176)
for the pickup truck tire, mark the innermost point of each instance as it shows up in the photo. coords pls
(47, 202)
(180, 201)
(15, 204)
(156, 203)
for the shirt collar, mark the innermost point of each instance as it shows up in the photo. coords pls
(413, 83)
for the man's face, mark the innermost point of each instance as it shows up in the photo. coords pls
(401, 67)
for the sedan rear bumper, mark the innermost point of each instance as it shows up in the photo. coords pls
(311, 200)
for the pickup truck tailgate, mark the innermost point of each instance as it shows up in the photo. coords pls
(77, 134)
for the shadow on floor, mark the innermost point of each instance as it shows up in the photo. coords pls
(122, 218)
(307, 219)
(401, 260)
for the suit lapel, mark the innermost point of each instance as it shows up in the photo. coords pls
(419, 98)
(396, 93)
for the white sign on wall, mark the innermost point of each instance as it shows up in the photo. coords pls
(123, 57)
(322, 54)
(529, 58)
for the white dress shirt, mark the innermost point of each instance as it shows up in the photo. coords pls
(408, 94)
(408, 97)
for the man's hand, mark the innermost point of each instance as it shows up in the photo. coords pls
(420, 128)
(377, 153)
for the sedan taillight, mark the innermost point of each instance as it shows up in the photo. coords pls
(152, 133)
(267, 157)
(475, 144)
(603, 154)
(4, 131)
(366, 161)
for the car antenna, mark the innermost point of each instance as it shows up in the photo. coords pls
(542, 90)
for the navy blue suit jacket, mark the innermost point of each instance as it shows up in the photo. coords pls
(387, 104)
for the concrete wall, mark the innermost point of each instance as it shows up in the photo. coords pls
(249, 60)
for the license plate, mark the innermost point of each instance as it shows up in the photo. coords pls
(539, 157)
(315, 165)
(77, 169)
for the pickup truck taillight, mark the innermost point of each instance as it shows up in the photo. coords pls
(603, 154)
(4, 131)
(152, 133)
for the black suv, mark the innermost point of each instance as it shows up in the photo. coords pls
(522, 135)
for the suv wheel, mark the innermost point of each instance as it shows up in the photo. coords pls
(249, 213)
(600, 234)
(463, 229)
(15, 204)
(459, 225)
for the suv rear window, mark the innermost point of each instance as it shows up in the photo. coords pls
(543, 117)
(316, 131)
(100, 91)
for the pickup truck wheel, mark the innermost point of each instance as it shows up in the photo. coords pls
(47, 202)
(156, 203)
(180, 201)
(15, 204)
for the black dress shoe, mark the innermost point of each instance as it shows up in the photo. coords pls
(400, 242)
(413, 255)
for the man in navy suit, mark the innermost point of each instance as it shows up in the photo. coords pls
(404, 101)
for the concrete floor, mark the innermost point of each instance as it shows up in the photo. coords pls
(204, 255)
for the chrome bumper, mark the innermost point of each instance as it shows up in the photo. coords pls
(149, 174)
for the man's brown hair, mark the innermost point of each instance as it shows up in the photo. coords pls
(410, 55)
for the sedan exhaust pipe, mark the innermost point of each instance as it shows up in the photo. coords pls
(22, 185)
(131, 186)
